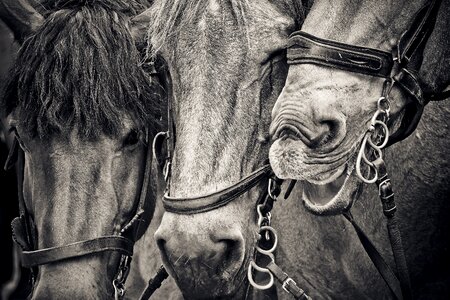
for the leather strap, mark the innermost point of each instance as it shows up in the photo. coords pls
(154, 283)
(383, 268)
(55, 254)
(438, 96)
(146, 204)
(287, 282)
(412, 42)
(217, 199)
(306, 48)
(389, 208)
(407, 80)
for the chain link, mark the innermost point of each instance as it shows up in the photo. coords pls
(122, 274)
(268, 235)
(375, 139)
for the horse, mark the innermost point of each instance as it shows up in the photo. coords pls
(83, 112)
(328, 115)
(227, 67)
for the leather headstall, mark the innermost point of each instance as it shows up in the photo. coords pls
(399, 67)
(216, 199)
(24, 232)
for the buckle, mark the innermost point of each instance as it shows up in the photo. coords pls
(286, 282)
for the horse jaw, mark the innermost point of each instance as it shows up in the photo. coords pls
(325, 193)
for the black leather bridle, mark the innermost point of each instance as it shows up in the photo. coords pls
(23, 230)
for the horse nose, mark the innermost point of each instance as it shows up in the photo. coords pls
(329, 128)
(318, 126)
(211, 252)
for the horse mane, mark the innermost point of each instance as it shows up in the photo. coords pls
(169, 15)
(81, 69)
(126, 7)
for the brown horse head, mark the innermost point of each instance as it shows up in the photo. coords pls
(323, 113)
(227, 67)
(83, 111)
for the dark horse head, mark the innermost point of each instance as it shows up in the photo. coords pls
(83, 110)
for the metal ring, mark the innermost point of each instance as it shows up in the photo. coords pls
(269, 189)
(260, 216)
(166, 170)
(387, 107)
(379, 154)
(360, 156)
(363, 148)
(386, 135)
(154, 141)
(119, 290)
(374, 118)
(275, 243)
(262, 270)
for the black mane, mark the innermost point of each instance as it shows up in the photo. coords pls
(81, 69)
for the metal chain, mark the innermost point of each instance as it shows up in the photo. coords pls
(268, 235)
(122, 274)
(375, 139)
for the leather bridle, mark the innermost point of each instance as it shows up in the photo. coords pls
(398, 68)
(201, 203)
(24, 232)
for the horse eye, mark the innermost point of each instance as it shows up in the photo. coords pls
(131, 139)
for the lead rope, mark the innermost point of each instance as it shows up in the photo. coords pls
(266, 246)
(375, 139)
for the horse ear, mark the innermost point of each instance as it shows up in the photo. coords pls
(139, 27)
(21, 17)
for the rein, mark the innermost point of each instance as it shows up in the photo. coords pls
(24, 235)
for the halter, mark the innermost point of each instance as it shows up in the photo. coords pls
(23, 228)
(397, 69)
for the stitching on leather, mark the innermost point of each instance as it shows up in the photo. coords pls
(327, 59)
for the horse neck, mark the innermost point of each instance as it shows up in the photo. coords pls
(364, 23)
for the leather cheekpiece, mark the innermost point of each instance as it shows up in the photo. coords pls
(54, 254)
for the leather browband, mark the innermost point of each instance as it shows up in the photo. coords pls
(217, 199)
(54, 254)
(306, 48)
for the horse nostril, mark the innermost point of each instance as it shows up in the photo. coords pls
(233, 250)
(322, 136)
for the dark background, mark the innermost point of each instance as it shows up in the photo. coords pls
(8, 186)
